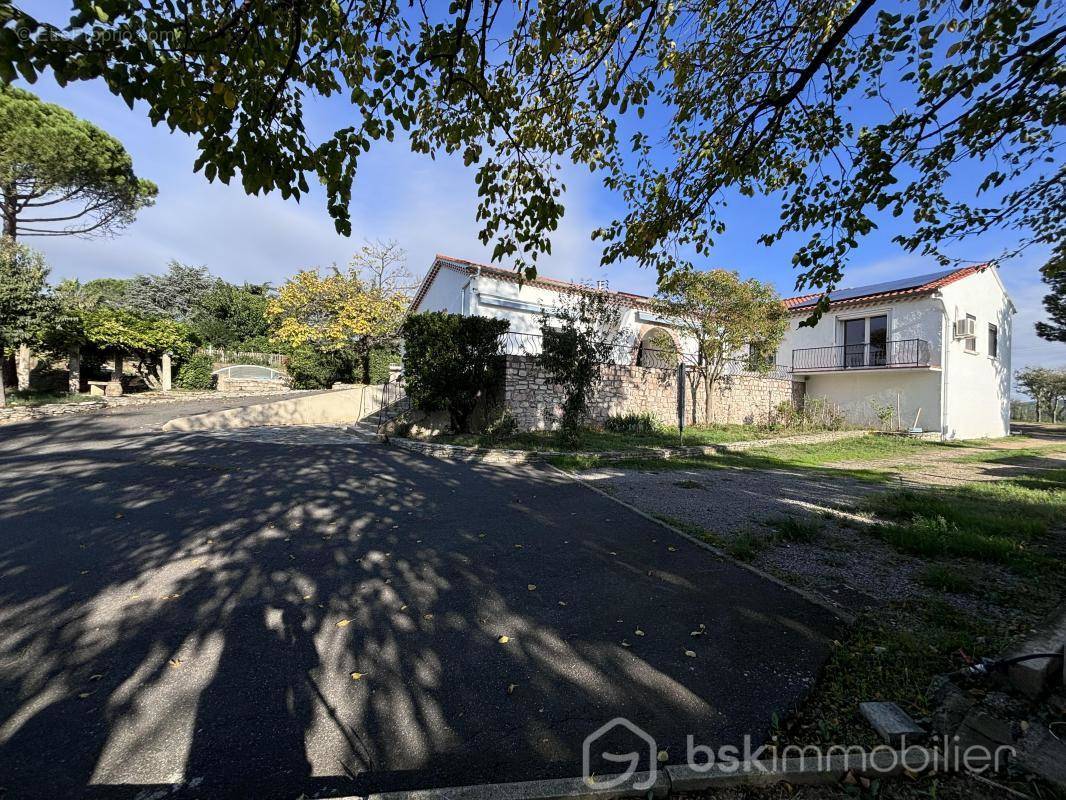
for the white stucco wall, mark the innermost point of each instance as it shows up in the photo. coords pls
(968, 397)
(977, 386)
(445, 293)
(907, 319)
(859, 394)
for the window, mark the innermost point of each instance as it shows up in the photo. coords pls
(865, 341)
(970, 342)
(993, 341)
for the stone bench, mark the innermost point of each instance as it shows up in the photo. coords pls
(105, 388)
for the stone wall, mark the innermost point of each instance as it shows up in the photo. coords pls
(745, 398)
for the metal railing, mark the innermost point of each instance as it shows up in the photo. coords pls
(887, 355)
(222, 356)
(637, 354)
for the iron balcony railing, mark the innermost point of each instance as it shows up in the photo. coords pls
(887, 355)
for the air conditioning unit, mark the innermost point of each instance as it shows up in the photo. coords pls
(965, 328)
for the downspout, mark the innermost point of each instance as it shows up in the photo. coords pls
(464, 304)
(945, 336)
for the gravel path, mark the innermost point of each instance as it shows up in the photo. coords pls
(842, 563)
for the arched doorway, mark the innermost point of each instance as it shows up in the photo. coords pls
(658, 349)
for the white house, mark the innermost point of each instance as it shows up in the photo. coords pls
(464, 287)
(936, 346)
(933, 349)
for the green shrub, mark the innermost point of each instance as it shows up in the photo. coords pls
(380, 360)
(451, 363)
(195, 373)
(631, 423)
(499, 430)
(310, 369)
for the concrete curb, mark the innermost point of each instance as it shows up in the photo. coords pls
(501, 456)
(809, 771)
(840, 613)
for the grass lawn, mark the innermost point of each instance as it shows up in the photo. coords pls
(33, 399)
(1011, 456)
(894, 652)
(777, 456)
(611, 440)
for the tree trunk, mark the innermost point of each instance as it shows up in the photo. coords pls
(708, 404)
(74, 370)
(10, 220)
(3, 390)
(22, 367)
(365, 361)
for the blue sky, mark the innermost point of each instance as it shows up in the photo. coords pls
(428, 206)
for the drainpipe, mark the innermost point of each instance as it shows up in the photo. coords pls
(945, 337)
(464, 304)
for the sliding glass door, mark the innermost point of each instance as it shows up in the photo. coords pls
(866, 342)
(854, 343)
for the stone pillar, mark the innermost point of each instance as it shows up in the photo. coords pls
(22, 367)
(74, 370)
(114, 387)
(165, 373)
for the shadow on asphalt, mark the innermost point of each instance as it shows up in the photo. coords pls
(184, 610)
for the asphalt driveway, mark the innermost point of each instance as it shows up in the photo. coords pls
(238, 616)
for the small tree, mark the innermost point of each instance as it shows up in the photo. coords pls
(145, 338)
(25, 301)
(337, 313)
(451, 362)
(383, 265)
(60, 175)
(726, 318)
(579, 336)
(1054, 275)
(1046, 386)
(176, 294)
(227, 315)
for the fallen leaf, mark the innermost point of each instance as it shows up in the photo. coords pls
(663, 757)
(638, 632)
(626, 644)
(562, 602)
(344, 623)
(307, 597)
(504, 639)
(690, 654)
(672, 549)
(175, 662)
(357, 676)
(427, 616)
(511, 687)
(95, 677)
(83, 695)
(531, 586)
(119, 516)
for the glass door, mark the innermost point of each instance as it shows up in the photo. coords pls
(854, 343)
(878, 356)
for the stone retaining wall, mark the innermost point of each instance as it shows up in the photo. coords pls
(745, 399)
(12, 414)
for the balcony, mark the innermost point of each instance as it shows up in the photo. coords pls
(901, 354)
